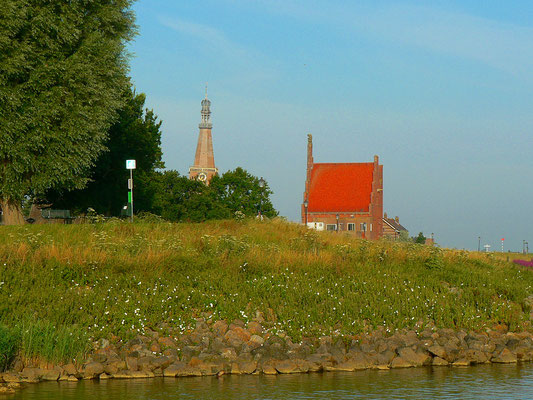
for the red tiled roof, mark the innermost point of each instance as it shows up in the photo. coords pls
(340, 187)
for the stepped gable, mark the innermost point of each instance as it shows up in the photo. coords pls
(344, 197)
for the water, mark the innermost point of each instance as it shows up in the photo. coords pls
(480, 382)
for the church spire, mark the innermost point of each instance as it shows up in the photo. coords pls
(206, 113)
(204, 161)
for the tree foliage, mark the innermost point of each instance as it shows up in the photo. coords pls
(62, 77)
(421, 239)
(178, 198)
(238, 190)
(136, 135)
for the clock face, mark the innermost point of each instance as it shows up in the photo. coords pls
(202, 176)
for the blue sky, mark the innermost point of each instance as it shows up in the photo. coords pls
(442, 91)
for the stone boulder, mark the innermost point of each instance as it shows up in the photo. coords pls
(167, 342)
(286, 367)
(93, 370)
(132, 363)
(439, 361)
(51, 374)
(269, 369)
(255, 328)
(220, 328)
(504, 357)
(408, 357)
(437, 350)
(245, 367)
(31, 375)
(173, 369)
(358, 361)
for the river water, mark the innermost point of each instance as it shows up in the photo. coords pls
(479, 382)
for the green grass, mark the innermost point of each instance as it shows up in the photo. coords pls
(40, 340)
(99, 280)
(9, 340)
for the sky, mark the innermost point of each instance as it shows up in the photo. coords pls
(441, 91)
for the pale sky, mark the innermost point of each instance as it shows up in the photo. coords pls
(442, 91)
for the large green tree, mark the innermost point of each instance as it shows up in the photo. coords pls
(62, 77)
(178, 198)
(238, 190)
(135, 135)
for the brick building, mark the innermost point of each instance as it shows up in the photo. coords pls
(204, 161)
(392, 228)
(345, 197)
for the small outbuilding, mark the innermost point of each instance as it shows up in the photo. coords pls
(392, 229)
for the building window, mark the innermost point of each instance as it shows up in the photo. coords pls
(351, 227)
(331, 227)
(370, 227)
(363, 226)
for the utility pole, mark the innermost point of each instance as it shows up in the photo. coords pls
(479, 243)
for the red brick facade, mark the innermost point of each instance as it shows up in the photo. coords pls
(347, 197)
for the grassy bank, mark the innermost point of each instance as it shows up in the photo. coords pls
(61, 284)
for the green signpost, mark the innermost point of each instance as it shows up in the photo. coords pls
(131, 165)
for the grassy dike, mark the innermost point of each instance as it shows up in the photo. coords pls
(65, 286)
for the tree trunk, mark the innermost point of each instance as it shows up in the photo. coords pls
(11, 212)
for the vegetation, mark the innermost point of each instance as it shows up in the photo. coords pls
(62, 78)
(8, 346)
(116, 278)
(41, 340)
(135, 135)
(420, 239)
(177, 198)
(240, 191)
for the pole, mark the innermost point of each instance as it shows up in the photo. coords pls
(131, 191)
(305, 206)
(479, 243)
(261, 185)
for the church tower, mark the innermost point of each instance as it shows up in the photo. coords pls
(204, 162)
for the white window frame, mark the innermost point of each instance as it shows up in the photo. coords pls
(329, 225)
(351, 226)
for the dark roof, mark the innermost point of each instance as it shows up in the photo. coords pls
(394, 225)
(340, 187)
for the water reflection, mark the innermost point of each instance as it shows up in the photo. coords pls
(486, 381)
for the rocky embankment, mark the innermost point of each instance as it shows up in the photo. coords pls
(221, 348)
